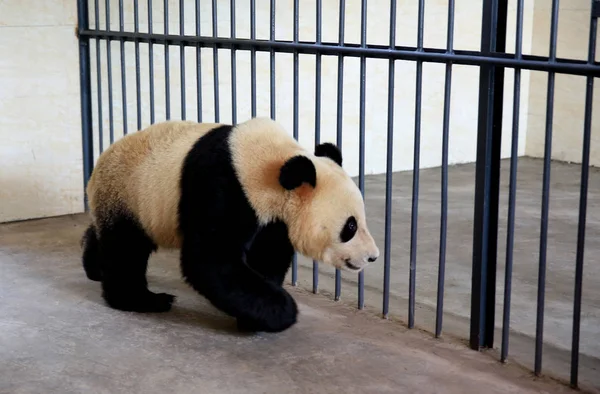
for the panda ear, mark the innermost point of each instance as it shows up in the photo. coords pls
(296, 171)
(329, 150)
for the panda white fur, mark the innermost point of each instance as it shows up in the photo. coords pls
(236, 200)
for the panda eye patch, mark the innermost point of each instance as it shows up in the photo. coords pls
(349, 229)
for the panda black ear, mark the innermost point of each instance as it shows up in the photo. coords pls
(329, 150)
(296, 171)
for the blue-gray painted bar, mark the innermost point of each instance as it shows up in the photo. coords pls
(432, 55)
(512, 192)
(138, 82)
(233, 66)
(487, 178)
(198, 66)
(111, 126)
(585, 171)
(167, 64)
(151, 64)
(389, 168)
(416, 170)
(215, 62)
(123, 74)
(361, 132)
(85, 79)
(340, 116)
(539, 329)
(317, 116)
(444, 186)
(182, 58)
(98, 78)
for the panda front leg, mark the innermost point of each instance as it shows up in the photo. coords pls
(217, 271)
(271, 252)
(124, 250)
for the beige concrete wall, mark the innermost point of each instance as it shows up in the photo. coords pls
(40, 143)
(569, 96)
(40, 160)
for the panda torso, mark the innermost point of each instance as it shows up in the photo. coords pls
(143, 175)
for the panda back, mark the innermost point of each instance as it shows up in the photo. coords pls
(139, 176)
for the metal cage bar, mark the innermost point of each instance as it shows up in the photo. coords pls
(416, 171)
(295, 114)
(215, 32)
(318, 35)
(388, 167)
(85, 78)
(198, 65)
(444, 185)
(340, 114)
(583, 193)
(182, 59)
(123, 72)
(539, 329)
(167, 63)
(487, 178)
(512, 193)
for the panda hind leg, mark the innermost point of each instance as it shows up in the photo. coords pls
(91, 254)
(125, 249)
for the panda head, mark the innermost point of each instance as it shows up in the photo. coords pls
(325, 211)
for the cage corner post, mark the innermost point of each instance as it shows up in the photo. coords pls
(487, 178)
(85, 80)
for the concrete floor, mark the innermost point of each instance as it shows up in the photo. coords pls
(562, 241)
(57, 336)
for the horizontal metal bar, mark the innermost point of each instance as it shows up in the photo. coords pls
(473, 58)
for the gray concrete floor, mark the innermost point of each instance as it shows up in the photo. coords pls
(562, 241)
(57, 336)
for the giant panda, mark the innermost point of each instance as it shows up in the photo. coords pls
(236, 200)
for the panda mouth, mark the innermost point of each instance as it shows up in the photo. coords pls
(351, 266)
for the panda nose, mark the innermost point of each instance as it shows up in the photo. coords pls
(371, 259)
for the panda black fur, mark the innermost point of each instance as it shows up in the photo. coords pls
(236, 200)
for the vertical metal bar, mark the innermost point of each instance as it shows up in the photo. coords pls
(512, 192)
(198, 65)
(389, 168)
(85, 80)
(444, 191)
(539, 331)
(123, 75)
(167, 65)
(109, 75)
(487, 178)
(272, 38)
(253, 58)
(585, 170)
(416, 169)
(233, 71)
(361, 132)
(295, 117)
(151, 63)
(138, 83)
(340, 116)
(98, 79)
(182, 58)
(317, 116)
(215, 32)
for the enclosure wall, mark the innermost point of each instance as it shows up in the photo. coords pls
(570, 89)
(40, 127)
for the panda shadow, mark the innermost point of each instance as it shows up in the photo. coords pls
(188, 309)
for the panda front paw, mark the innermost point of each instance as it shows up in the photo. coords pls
(274, 314)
